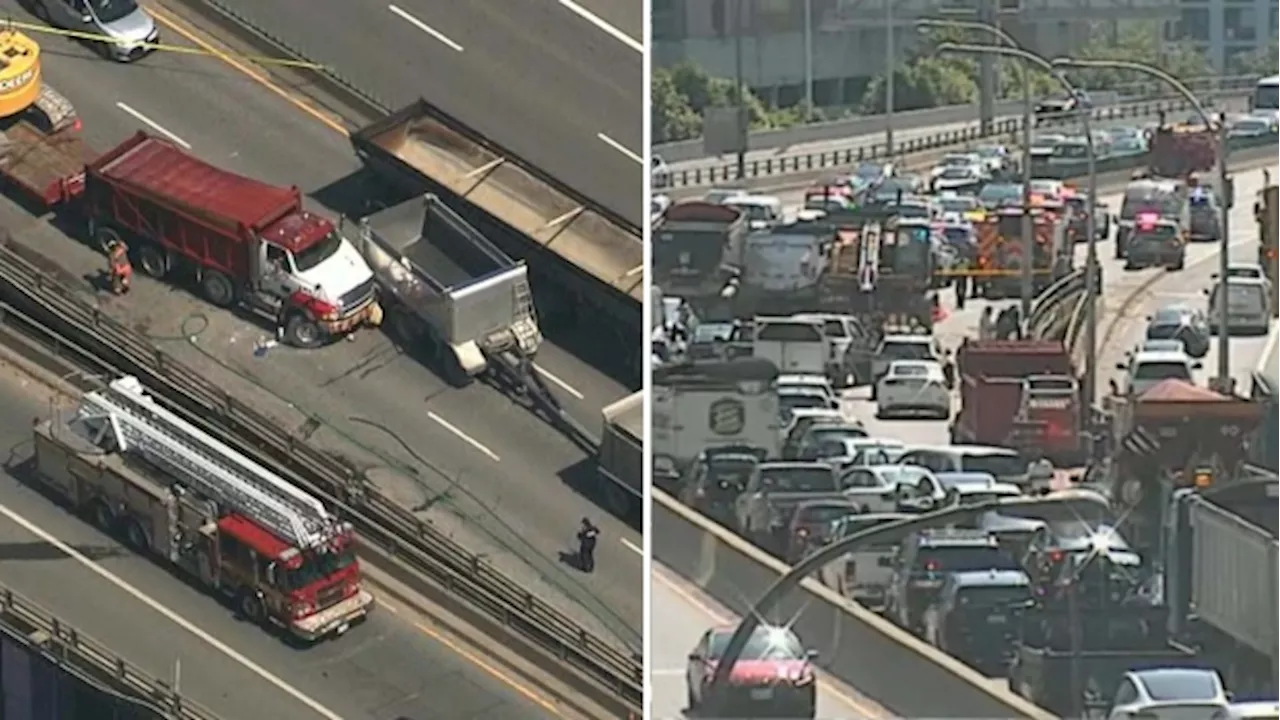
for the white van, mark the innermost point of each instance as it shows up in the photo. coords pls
(762, 211)
(1248, 305)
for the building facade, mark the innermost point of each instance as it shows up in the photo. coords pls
(849, 36)
(1225, 29)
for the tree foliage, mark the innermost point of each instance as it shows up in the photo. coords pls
(1260, 63)
(680, 95)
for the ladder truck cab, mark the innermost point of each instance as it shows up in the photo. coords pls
(171, 491)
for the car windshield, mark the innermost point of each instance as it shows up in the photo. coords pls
(837, 434)
(764, 644)
(957, 160)
(856, 524)
(109, 11)
(960, 172)
(312, 256)
(995, 465)
(822, 514)
(956, 234)
(1252, 126)
(869, 171)
(1162, 370)
(991, 595)
(1170, 685)
(1001, 193)
(800, 479)
(1159, 232)
(317, 566)
(1243, 271)
(729, 474)
(906, 351)
(958, 204)
(909, 370)
(965, 558)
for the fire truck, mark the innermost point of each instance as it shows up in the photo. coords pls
(171, 491)
(1000, 255)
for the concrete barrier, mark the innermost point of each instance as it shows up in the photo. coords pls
(863, 650)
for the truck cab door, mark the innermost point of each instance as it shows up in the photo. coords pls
(274, 271)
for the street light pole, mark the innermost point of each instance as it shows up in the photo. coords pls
(738, 96)
(808, 58)
(1091, 263)
(1225, 383)
(890, 65)
(1028, 120)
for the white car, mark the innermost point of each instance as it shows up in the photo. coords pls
(913, 387)
(1148, 368)
(894, 347)
(1169, 693)
(820, 383)
(951, 160)
(965, 177)
(1248, 305)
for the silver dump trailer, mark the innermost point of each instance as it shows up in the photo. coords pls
(448, 289)
(621, 457)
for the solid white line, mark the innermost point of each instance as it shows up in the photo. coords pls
(599, 22)
(632, 546)
(169, 614)
(465, 437)
(1272, 338)
(154, 125)
(620, 148)
(425, 27)
(567, 387)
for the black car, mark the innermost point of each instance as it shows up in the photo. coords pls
(1060, 108)
(976, 616)
(1180, 322)
(715, 480)
(925, 560)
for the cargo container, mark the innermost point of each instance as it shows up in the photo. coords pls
(621, 458)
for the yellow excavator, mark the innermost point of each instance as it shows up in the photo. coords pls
(22, 88)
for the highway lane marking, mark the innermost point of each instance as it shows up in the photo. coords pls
(169, 614)
(1272, 337)
(566, 386)
(404, 15)
(632, 546)
(481, 663)
(154, 125)
(600, 23)
(620, 148)
(864, 710)
(463, 436)
(192, 36)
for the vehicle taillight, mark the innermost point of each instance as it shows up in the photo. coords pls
(933, 565)
(1057, 556)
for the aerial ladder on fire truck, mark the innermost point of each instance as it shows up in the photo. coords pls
(124, 413)
(869, 257)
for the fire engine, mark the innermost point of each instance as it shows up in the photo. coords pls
(173, 492)
(1000, 254)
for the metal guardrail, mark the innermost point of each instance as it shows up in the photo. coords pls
(777, 168)
(1046, 306)
(378, 520)
(776, 139)
(77, 653)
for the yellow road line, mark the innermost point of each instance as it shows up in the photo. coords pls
(256, 75)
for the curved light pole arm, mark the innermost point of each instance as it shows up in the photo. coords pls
(1143, 69)
(806, 567)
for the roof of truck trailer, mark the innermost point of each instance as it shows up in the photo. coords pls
(158, 167)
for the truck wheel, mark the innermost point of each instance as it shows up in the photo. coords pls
(136, 537)
(105, 236)
(153, 261)
(217, 288)
(250, 607)
(301, 331)
(102, 517)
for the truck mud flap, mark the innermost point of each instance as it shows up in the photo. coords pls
(516, 377)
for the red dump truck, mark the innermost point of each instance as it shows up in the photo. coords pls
(1021, 394)
(241, 241)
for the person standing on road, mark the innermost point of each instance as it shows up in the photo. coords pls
(986, 324)
(119, 269)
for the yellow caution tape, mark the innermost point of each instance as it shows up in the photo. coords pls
(163, 47)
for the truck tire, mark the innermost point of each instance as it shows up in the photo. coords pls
(217, 288)
(100, 514)
(136, 536)
(249, 605)
(153, 261)
(301, 331)
(104, 236)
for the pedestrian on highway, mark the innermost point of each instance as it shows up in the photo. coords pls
(1004, 324)
(962, 287)
(986, 325)
(119, 269)
(1015, 322)
(949, 370)
(588, 534)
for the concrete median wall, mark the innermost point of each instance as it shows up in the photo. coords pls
(858, 647)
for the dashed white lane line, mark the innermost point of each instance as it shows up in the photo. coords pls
(153, 125)
(600, 23)
(404, 15)
(566, 386)
(170, 615)
(632, 546)
(463, 436)
(620, 148)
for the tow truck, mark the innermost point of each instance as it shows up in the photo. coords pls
(233, 527)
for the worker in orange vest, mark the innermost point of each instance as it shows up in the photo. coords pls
(119, 268)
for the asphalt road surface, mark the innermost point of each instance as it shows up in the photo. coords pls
(500, 480)
(383, 668)
(681, 613)
(558, 83)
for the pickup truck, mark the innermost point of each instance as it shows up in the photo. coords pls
(586, 261)
(1020, 394)
(763, 511)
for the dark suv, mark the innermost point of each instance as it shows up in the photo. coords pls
(925, 560)
(976, 615)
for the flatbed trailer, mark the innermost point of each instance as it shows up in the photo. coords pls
(587, 261)
(447, 286)
(43, 151)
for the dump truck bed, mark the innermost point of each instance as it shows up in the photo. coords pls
(421, 147)
(38, 162)
(444, 270)
(622, 448)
